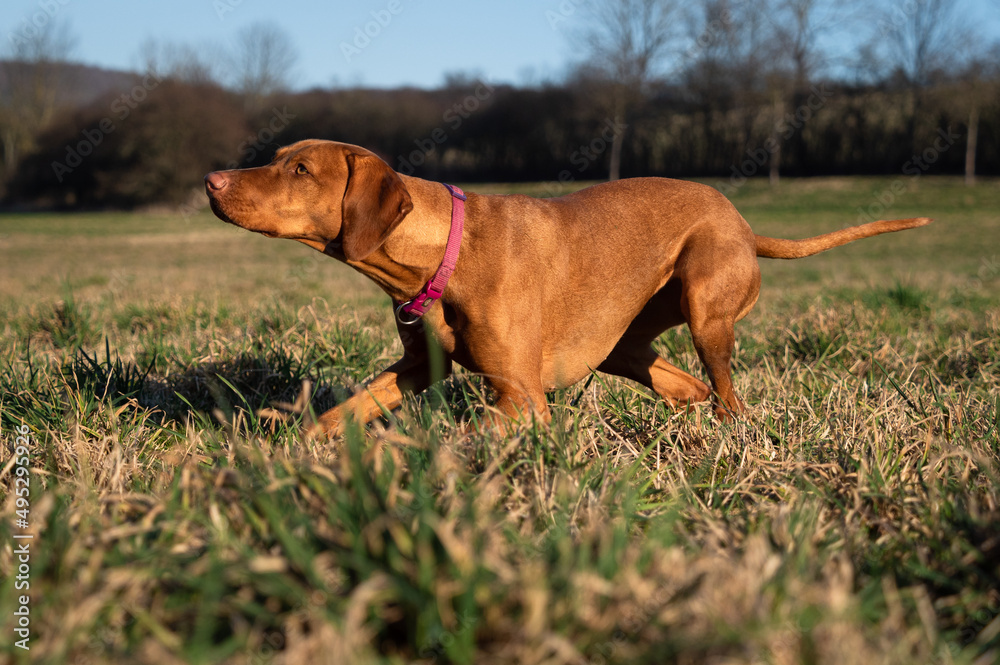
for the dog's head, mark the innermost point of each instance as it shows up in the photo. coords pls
(335, 197)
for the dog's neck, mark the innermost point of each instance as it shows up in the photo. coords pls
(414, 250)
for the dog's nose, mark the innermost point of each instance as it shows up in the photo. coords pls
(216, 180)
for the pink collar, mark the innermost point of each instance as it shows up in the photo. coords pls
(434, 289)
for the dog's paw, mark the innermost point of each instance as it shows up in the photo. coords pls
(272, 416)
(729, 413)
(329, 426)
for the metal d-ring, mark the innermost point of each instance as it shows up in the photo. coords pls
(400, 313)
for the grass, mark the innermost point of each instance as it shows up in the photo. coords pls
(852, 517)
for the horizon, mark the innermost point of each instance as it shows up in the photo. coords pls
(380, 44)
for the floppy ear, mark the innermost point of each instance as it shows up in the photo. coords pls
(375, 202)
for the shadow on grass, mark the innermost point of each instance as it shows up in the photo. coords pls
(252, 382)
(247, 382)
(51, 396)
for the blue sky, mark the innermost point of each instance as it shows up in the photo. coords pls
(416, 42)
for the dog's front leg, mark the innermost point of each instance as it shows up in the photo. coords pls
(514, 375)
(410, 375)
(516, 405)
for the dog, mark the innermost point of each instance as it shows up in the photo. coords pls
(534, 294)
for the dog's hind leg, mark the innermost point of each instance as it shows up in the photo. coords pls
(640, 363)
(721, 282)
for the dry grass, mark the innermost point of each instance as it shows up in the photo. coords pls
(851, 518)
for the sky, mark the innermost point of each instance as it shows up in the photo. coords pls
(374, 43)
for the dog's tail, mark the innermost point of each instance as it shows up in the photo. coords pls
(779, 248)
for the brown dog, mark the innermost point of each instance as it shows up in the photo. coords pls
(545, 290)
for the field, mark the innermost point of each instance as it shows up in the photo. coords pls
(852, 517)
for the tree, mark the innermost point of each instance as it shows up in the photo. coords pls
(181, 62)
(159, 155)
(261, 62)
(626, 40)
(733, 70)
(973, 91)
(799, 26)
(32, 77)
(923, 40)
(923, 37)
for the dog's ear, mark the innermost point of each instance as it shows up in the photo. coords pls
(375, 202)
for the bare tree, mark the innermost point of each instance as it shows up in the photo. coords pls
(626, 41)
(734, 66)
(973, 91)
(925, 41)
(32, 77)
(923, 37)
(178, 61)
(262, 62)
(799, 29)
(759, 73)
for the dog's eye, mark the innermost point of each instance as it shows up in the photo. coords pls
(301, 169)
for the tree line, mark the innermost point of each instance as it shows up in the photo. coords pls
(724, 91)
